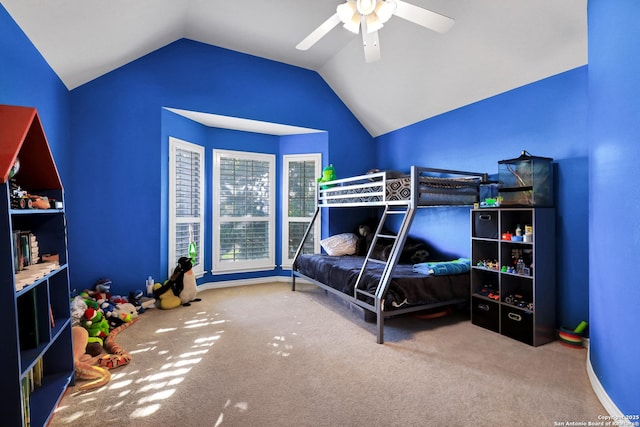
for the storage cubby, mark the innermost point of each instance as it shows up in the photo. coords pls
(38, 353)
(485, 313)
(485, 255)
(515, 295)
(483, 279)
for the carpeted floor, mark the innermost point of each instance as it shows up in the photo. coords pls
(262, 355)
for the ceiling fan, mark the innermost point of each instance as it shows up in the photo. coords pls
(371, 15)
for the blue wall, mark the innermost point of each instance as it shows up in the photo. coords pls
(120, 134)
(614, 89)
(112, 159)
(546, 118)
(26, 79)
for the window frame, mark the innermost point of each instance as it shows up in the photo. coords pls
(268, 263)
(174, 145)
(286, 219)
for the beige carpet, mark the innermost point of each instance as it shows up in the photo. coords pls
(262, 355)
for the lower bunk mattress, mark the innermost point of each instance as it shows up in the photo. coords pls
(407, 288)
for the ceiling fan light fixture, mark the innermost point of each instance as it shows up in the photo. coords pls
(373, 23)
(365, 7)
(346, 11)
(353, 24)
(371, 15)
(384, 10)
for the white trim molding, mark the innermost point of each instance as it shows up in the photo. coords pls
(246, 282)
(611, 408)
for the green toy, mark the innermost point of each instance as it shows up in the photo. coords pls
(193, 249)
(328, 174)
(95, 323)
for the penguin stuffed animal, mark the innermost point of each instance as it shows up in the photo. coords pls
(182, 283)
(185, 286)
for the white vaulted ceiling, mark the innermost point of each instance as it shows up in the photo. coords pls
(494, 46)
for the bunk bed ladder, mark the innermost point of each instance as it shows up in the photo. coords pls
(301, 247)
(408, 212)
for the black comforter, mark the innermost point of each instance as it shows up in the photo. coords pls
(407, 287)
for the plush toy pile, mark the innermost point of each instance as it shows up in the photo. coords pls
(97, 317)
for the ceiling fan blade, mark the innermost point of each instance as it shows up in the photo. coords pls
(426, 18)
(371, 43)
(319, 32)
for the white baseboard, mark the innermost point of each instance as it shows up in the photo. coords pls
(246, 282)
(616, 414)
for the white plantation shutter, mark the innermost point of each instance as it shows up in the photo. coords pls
(186, 202)
(244, 210)
(301, 173)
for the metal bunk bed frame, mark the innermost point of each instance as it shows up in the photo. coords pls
(331, 195)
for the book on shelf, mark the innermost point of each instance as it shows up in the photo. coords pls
(28, 320)
(26, 392)
(26, 251)
(38, 373)
(18, 263)
(25, 246)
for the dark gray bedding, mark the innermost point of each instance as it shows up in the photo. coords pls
(407, 287)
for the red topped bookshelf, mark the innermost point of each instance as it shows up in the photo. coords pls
(21, 132)
(37, 356)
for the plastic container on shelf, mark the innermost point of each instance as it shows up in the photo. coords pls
(526, 181)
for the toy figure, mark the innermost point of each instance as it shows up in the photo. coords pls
(328, 174)
(95, 323)
(181, 287)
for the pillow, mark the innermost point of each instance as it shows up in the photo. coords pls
(442, 268)
(340, 244)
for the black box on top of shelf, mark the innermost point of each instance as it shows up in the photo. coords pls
(485, 224)
(526, 181)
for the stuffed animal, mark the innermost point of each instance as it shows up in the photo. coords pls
(88, 300)
(124, 313)
(84, 363)
(182, 284)
(164, 296)
(107, 308)
(141, 302)
(101, 290)
(117, 356)
(328, 174)
(95, 323)
(78, 307)
(186, 287)
(365, 236)
(414, 250)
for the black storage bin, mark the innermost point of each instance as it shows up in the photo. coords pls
(517, 324)
(485, 224)
(485, 313)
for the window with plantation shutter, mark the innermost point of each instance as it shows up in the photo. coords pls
(300, 175)
(186, 203)
(243, 211)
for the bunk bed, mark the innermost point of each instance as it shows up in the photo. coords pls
(386, 287)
